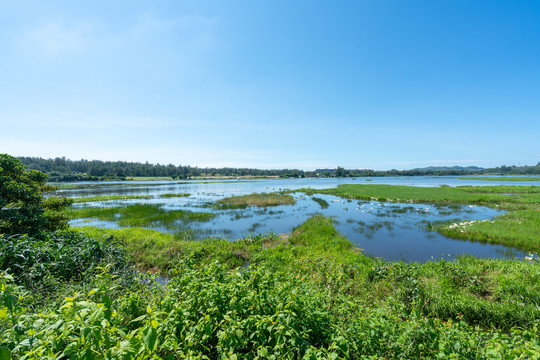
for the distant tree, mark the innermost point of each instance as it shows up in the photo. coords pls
(341, 172)
(23, 209)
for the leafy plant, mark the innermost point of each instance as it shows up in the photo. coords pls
(23, 209)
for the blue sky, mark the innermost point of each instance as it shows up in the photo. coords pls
(272, 84)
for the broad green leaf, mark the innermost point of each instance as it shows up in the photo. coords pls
(5, 353)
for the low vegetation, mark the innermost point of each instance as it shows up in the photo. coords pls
(310, 296)
(260, 200)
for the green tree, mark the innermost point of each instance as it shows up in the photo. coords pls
(23, 209)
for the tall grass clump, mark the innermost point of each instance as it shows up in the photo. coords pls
(46, 264)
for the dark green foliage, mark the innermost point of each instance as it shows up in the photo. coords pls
(212, 312)
(43, 264)
(23, 210)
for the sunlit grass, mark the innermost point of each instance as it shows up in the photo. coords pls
(503, 196)
(518, 229)
(490, 293)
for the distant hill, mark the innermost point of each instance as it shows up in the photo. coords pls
(449, 168)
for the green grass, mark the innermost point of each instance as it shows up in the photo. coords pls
(518, 228)
(140, 215)
(487, 196)
(490, 293)
(260, 200)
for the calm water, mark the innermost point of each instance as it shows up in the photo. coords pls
(388, 230)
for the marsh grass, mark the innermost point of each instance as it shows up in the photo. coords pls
(490, 293)
(260, 200)
(140, 215)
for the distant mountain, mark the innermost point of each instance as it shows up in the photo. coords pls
(453, 168)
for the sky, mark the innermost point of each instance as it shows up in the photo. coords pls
(272, 84)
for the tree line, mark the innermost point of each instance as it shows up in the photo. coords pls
(61, 169)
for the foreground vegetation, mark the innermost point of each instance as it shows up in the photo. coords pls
(518, 229)
(312, 296)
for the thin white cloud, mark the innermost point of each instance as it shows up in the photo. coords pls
(56, 39)
(59, 37)
(86, 120)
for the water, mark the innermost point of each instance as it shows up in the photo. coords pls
(388, 230)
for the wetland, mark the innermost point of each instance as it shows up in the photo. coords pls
(289, 269)
(410, 219)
